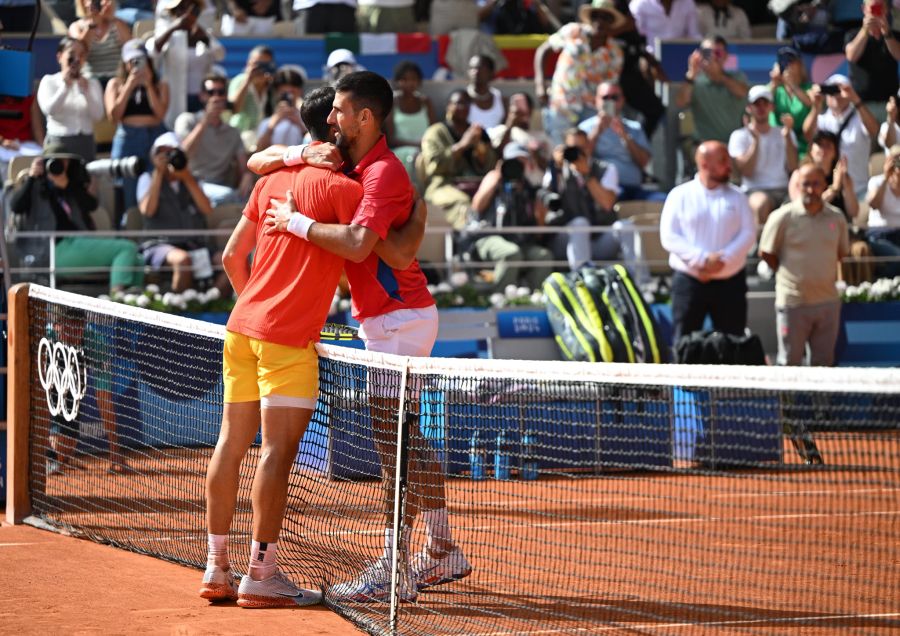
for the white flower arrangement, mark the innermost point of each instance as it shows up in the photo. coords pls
(188, 301)
(882, 290)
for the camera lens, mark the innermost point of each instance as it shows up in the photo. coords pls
(177, 159)
(56, 166)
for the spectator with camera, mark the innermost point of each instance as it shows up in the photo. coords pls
(883, 233)
(837, 108)
(71, 102)
(588, 56)
(55, 198)
(185, 52)
(340, 62)
(716, 97)
(170, 198)
(136, 99)
(621, 142)
(250, 92)
(517, 129)
(215, 150)
(790, 92)
(580, 191)
(103, 35)
(457, 155)
(506, 199)
(765, 156)
(284, 127)
(872, 53)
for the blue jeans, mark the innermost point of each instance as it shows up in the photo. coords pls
(885, 242)
(133, 141)
(639, 193)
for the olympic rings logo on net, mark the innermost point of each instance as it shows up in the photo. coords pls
(63, 374)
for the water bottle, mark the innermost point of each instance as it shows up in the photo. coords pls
(477, 455)
(529, 460)
(501, 457)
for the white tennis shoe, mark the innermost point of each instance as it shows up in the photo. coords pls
(275, 591)
(429, 571)
(374, 584)
(218, 584)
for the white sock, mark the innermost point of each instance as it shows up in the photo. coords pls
(389, 541)
(437, 526)
(262, 560)
(217, 550)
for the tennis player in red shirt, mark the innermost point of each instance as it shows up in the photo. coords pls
(396, 313)
(270, 367)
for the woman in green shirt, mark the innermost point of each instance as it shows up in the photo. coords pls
(790, 86)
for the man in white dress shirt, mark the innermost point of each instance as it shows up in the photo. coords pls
(708, 228)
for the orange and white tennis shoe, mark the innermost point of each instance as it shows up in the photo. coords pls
(218, 584)
(430, 571)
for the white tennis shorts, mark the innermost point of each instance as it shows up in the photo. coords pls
(404, 332)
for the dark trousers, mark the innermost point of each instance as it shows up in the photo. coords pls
(640, 95)
(331, 18)
(725, 301)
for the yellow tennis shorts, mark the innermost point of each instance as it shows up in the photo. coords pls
(274, 374)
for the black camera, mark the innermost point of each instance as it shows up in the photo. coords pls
(56, 166)
(116, 168)
(265, 67)
(830, 89)
(287, 98)
(572, 154)
(512, 170)
(177, 159)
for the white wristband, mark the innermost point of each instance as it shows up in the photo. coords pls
(299, 225)
(293, 156)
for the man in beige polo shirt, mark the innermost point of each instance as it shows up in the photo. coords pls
(803, 241)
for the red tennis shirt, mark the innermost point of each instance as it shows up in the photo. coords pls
(388, 195)
(292, 281)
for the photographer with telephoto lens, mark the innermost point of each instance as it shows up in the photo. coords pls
(580, 191)
(284, 127)
(506, 199)
(170, 198)
(54, 198)
(71, 102)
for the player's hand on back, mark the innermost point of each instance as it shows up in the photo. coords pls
(323, 156)
(279, 213)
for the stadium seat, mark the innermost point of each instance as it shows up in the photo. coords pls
(433, 247)
(284, 29)
(230, 212)
(17, 165)
(133, 220)
(648, 246)
(629, 209)
(102, 219)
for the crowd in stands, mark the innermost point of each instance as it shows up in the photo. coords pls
(562, 155)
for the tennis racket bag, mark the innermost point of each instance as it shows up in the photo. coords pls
(584, 326)
(615, 286)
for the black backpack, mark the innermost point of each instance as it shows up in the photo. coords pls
(715, 347)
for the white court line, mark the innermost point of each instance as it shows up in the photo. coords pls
(10, 545)
(694, 625)
(639, 522)
(523, 502)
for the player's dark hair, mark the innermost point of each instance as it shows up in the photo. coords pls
(315, 110)
(368, 90)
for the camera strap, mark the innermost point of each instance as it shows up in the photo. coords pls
(845, 123)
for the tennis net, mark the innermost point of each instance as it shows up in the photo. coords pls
(588, 498)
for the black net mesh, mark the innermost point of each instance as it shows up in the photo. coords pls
(583, 501)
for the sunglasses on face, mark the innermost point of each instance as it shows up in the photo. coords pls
(215, 92)
(611, 98)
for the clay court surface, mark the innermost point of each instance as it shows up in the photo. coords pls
(62, 585)
(765, 551)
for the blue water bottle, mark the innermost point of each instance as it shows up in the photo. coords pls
(501, 457)
(477, 458)
(529, 460)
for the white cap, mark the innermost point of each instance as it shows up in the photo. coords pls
(514, 150)
(838, 80)
(760, 91)
(340, 56)
(133, 49)
(167, 139)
